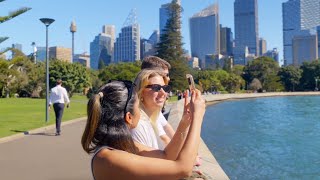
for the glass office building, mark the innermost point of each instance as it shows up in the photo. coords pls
(205, 33)
(127, 45)
(299, 18)
(246, 29)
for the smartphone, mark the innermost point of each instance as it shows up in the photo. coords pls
(190, 82)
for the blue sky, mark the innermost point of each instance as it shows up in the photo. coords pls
(90, 16)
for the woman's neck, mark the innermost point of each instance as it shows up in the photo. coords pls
(150, 111)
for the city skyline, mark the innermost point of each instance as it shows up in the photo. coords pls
(90, 17)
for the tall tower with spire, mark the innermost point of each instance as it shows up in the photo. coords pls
(127, 45)
(73, 29)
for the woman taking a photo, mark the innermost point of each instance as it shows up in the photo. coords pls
(111, 114)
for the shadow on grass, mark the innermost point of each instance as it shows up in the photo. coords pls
(32, 134)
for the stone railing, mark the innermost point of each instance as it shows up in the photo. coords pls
(209, 166)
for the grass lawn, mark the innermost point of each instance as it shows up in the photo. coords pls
(24, 114)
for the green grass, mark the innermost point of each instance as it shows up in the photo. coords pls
(24, 114)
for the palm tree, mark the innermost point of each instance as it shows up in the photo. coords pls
(11, 15)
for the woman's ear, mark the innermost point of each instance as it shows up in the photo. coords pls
(128, 119)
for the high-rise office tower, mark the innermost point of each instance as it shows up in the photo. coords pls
(83, 59)
(262, 46)
(304, 48)
(274, 54)
(41, 53)
(205, 33)
(111, 31)
(246, 29)
(148, 46)
(226, 41)
(154, 37)
(298, 18)
(164, 15)
(60, 53)
(127, 45)
(100, 50)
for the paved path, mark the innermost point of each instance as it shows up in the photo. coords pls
(43, 156)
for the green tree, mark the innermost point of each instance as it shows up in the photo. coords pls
(120, 71)
(261, 68)
(7, 77)
(290, 77)
(170, 47)
(310, 71)
(75, 76)
(273, 83)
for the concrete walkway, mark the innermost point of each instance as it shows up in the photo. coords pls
(40, 155)
(43, 156)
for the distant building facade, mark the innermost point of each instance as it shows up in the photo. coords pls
(16, 46)
(164, 11)
(100, 50)
(305, 48)
(226, 41)
(194, 62)
(262, 46)
(205, 33)
(246, 29)
(83, 59)
(298, 18)
(148, 46)
(41, 53)
(274, 54)
(110, 30)
(127, 45)
(60, 53)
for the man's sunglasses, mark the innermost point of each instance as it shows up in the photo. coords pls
(158, 87)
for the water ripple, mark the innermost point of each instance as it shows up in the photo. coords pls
(266, 138)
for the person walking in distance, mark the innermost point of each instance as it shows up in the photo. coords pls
(58, 97)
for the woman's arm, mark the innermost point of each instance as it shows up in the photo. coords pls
(115, 164)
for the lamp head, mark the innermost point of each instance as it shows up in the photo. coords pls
(46, 21)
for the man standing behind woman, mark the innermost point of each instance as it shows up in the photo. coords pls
(58, 97)
(163, 128)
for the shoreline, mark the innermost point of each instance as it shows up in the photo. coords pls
(210, 167)
(212, 99)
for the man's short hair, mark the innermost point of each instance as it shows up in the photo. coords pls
(152, 62)
(59, 81)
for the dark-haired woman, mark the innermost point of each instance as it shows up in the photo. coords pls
(111, 114)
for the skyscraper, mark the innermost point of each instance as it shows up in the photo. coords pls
(127, 45)
(246, 29)
(148, 46)
(60, 53)
(205, 33)
(164, 15)
(305, 48)
(226, 41)
(111, 31)
(100, 50)
(262, 46)
(298, 18)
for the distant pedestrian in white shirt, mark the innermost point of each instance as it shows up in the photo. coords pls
(58, 97)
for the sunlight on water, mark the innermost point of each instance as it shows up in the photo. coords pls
(266, 138)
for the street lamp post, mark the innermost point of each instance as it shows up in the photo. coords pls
(47, 22)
